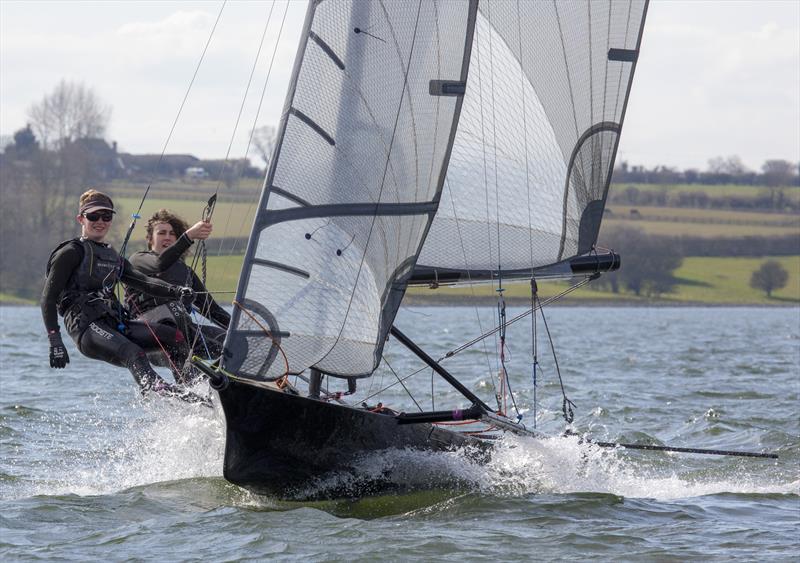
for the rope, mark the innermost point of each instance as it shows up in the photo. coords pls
(485, 335)
(158, 340)
(269, 335)
(566, 405)
(400, 381)
(517, 318)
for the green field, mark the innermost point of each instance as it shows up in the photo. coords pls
(231, 219)
(677, 221)
(702, 280)
(715, 281)
(712, 191)
(236, 206)
(719, 281)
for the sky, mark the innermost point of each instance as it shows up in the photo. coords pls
(714, 78)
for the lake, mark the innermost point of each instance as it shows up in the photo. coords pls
(90, 471)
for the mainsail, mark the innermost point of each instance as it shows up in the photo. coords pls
(353, 185)
(375, 143)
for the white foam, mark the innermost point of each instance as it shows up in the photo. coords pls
(167, 440)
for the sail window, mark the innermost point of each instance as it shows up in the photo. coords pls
(623, 55)
(447, 88)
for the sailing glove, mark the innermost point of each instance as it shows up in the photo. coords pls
(58, 352)
(185, 295)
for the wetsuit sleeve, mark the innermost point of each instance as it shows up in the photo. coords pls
(150, 263)
(63, 263)
(146, 284)
(208, 306)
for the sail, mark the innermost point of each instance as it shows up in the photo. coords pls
(537, 137)
(353, 185)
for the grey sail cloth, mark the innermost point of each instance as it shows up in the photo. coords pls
(379, 148)
(537, 136)
(353, 185)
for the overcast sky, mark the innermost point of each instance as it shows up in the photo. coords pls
(715, 78)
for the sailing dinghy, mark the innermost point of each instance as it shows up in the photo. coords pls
(421, 142)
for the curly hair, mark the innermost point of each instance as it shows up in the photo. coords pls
(163, 216)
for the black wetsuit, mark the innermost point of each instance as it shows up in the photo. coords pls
(169, 267)
(79, 286)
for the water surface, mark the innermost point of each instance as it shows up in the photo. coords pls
(90, 471)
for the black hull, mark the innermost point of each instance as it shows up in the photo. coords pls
(283, 445)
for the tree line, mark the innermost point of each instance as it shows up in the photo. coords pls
(721, 170)
(54, 158)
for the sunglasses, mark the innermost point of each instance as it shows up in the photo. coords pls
(105, 216)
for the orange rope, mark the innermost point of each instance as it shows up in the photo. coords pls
(285, 376)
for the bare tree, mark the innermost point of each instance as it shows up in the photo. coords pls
(71, 111)
(732, 165)
(264, 138)
(769, 277)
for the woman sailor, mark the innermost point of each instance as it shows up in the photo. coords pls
(81, 275)
(169, 239)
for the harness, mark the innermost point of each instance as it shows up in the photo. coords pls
(140, 302)
(89, 293)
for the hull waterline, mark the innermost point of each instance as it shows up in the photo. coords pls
(285, 445)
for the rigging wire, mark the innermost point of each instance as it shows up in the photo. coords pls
(522, 315)
(136, 215)
(566, 405)
(400, 381)
(534, 287)
(208, 212)
(486, 189)
(255, 121)
(472, 291)
(485, 335)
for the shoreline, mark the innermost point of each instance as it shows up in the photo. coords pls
(467, 301)
(464, 301)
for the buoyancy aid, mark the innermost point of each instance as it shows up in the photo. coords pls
(89, 292)
(139, 302)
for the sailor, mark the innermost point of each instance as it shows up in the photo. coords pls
(169, 238)
(81, 275)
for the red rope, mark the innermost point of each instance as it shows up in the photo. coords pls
(158, 341)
